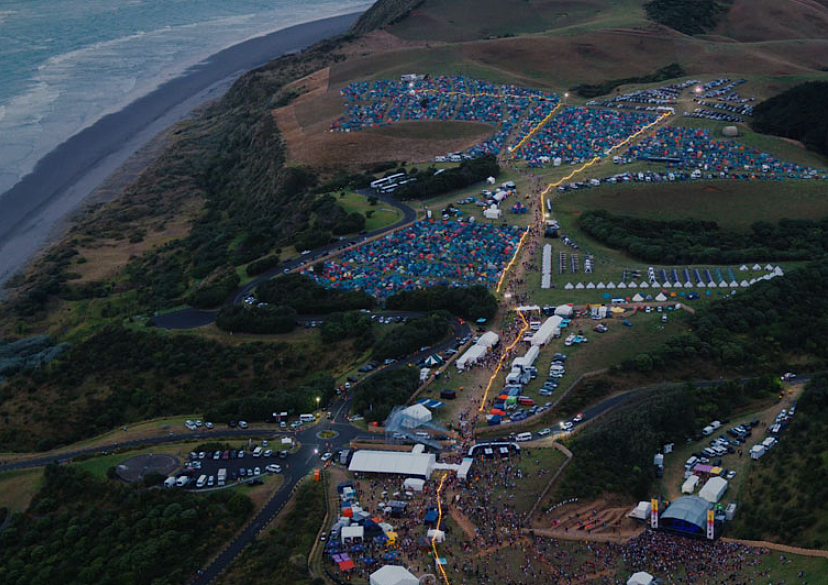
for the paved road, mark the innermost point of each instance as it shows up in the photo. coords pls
(190, 318)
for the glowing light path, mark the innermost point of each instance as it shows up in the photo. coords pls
(503, 359)
(512, 261)
(534, 130)
(591, 162)
(439, 521)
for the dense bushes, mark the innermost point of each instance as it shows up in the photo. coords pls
(429, 184)
(215, 292)
(284, 548)
(261, 405)
(588, 90)
(351, 325)
(692, 17)
(262, 265)
(785, 496)
(81, 530)
(375, 397)
(412, 336)
(763, 329)
(268, 319)
(308, 298)
(474, 302)
(615, 453)
(694, 241)
(120, 375)
(800, 113)
(25, 354)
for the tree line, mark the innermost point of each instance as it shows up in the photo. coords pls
(800, 113)
(431, 182)
(375, 397)
(695, 241)
(81, 530)
(473, 302)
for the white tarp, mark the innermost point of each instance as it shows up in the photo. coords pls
(414, 483)
(465, 467)
(488, 339)
(689, 485)
(392, 575)
(437, 535)
(714, 489)
(640, 578)
(641, 511)
(564, 311)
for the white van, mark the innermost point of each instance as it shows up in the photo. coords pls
(707, 431)
(257, 452)
(523, 437)
(182, 481)
(201, 481)
(715, 424)
(769, 443)
(307, 417)
(169, 482)
(691, 462)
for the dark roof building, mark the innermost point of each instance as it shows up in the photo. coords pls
(686, 515)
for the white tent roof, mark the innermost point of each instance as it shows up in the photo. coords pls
(610, 284)
(640, 578)
(744, 284)
(690, 484)
(644, 284)
(568, 286)
(579, 286)
(661, 297)
(641, 511)
(714, 489)
(414, 483)
(392, 575)
(488, 339)
(600, 285)
(435, 534)
(622, 285)
(474, 353)
(394, 462)
(637, 298)
(563, 311)
(590, 285)
(351, 532)
(546, 331)
(667, 284)
(723, 284)
(633, 284)
(418, 414)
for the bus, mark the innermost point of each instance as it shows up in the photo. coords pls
(386, 181)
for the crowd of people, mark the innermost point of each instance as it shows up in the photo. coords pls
(427, 253)
(578, 134)
(695, 148)
(384, 102)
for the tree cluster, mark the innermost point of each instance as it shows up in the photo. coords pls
(692, 17)
(81, 530)
(267, 319)
(785, 496)
(308, 298)
(350, 325)
(591, 90)
(430, 183)
(378, 395)
(473, 302)
(800, 113)
(409, 338)
(695, 241)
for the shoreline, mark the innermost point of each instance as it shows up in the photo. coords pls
(36, 211)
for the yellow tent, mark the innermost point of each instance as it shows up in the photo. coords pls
(617, 310)
(392, 537)
(716, 471)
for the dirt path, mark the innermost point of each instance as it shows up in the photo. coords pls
(808, 552)
(463, 522)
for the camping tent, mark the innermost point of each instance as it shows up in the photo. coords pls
(714, 489)
(564, 311)
(637, 298)
(641, 511)
(660, 297)
(640, 578)
(433, 360)
(392, 575)
(437, 535)
(414, 483)
(415, 415)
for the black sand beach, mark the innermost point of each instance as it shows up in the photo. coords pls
(31, 210)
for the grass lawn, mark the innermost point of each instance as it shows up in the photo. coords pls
(537, 466)
(381, 215)
(97, 466)
(734, 205)
(17, 488)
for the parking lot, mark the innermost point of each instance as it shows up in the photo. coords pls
(204, 470)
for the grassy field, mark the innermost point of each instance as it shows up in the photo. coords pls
(734, 205)
(17, 488)
(537, 466)
(381, 214)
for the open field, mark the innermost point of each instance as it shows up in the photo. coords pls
(734, 205)
(537, 466)
(381, 214)
(17, 488)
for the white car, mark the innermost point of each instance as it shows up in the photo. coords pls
(242, 424)
(274, 469)
(209, 425)
(544, 432)
(305, 252)
(566, 426)
(731, 474)
(267, 453)
(578, 417)
(257, 471)
(326, 457)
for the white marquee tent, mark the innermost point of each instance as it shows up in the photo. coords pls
(393, 575)
(714, 489)
(640, 578)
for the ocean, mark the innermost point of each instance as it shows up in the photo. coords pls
(64, 64)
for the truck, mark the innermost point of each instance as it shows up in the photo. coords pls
(307, 417)
(222, 476)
